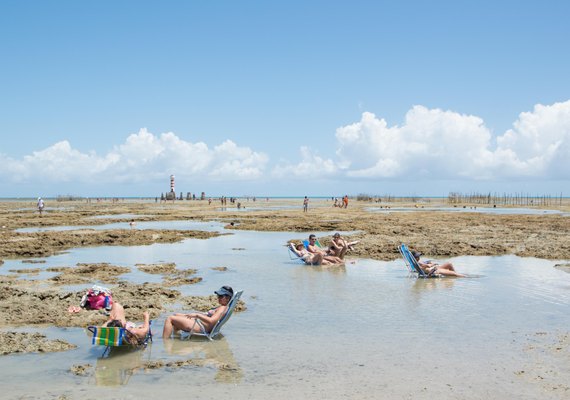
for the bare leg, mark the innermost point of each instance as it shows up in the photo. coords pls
(118, 312)
(317, 259)
(447, 265)
(351, 244)
(176, 323)
(448, 272)
(333, 260)
(343, 250)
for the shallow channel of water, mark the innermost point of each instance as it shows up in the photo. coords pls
(365, 330)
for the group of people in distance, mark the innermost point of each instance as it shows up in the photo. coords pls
(313, 254)
(190, 322)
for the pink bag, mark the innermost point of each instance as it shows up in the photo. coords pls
(97, 298)
(99, 301)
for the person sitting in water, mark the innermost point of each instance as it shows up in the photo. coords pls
(135, 333)
(191, 322)
(308, 258)
(430, 268)
(340, 246)
(313, 248)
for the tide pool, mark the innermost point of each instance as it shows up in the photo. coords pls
(363, 330)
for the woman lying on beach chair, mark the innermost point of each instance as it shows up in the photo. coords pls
(135, 334)
(117, 332)
(431, 268)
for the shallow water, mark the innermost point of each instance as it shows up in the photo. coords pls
(209, 226)
(234, 208)
(366, 330)
(481, 210)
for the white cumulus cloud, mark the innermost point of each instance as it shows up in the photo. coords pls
(142, 157)
(538, 144)
(430, 144)
(438, 144)
(317, 165)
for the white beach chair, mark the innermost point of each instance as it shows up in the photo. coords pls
(216, 329)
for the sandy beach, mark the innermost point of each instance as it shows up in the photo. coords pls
(26, 302)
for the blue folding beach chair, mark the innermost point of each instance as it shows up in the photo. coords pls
(292, 254)
(412, 263)
(295, 256)
(306, 244)
(216, 330)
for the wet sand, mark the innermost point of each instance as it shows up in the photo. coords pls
(33, 303)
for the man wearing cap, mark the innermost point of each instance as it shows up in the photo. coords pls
(430, 268)
(194, 322)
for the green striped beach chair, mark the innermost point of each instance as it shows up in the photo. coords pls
(116, 337)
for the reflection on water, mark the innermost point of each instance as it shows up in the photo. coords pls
(203, 351)
(119, 365)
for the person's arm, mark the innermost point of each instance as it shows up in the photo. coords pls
(292, 247)
(141, 331)
(336, 246)
(210, 319)
(427, 267)
(423, 265)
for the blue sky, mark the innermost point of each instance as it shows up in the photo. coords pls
(297, 98)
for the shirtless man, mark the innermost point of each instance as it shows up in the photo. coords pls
(313, 248)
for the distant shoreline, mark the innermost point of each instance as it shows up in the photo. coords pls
(258, 198)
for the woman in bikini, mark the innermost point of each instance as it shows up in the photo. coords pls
(191, 322)
(431, 268)
(135, 333)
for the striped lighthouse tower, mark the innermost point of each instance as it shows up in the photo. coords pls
(171, 183)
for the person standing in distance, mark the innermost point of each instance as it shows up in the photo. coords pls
(40, 205)
(305, 204)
